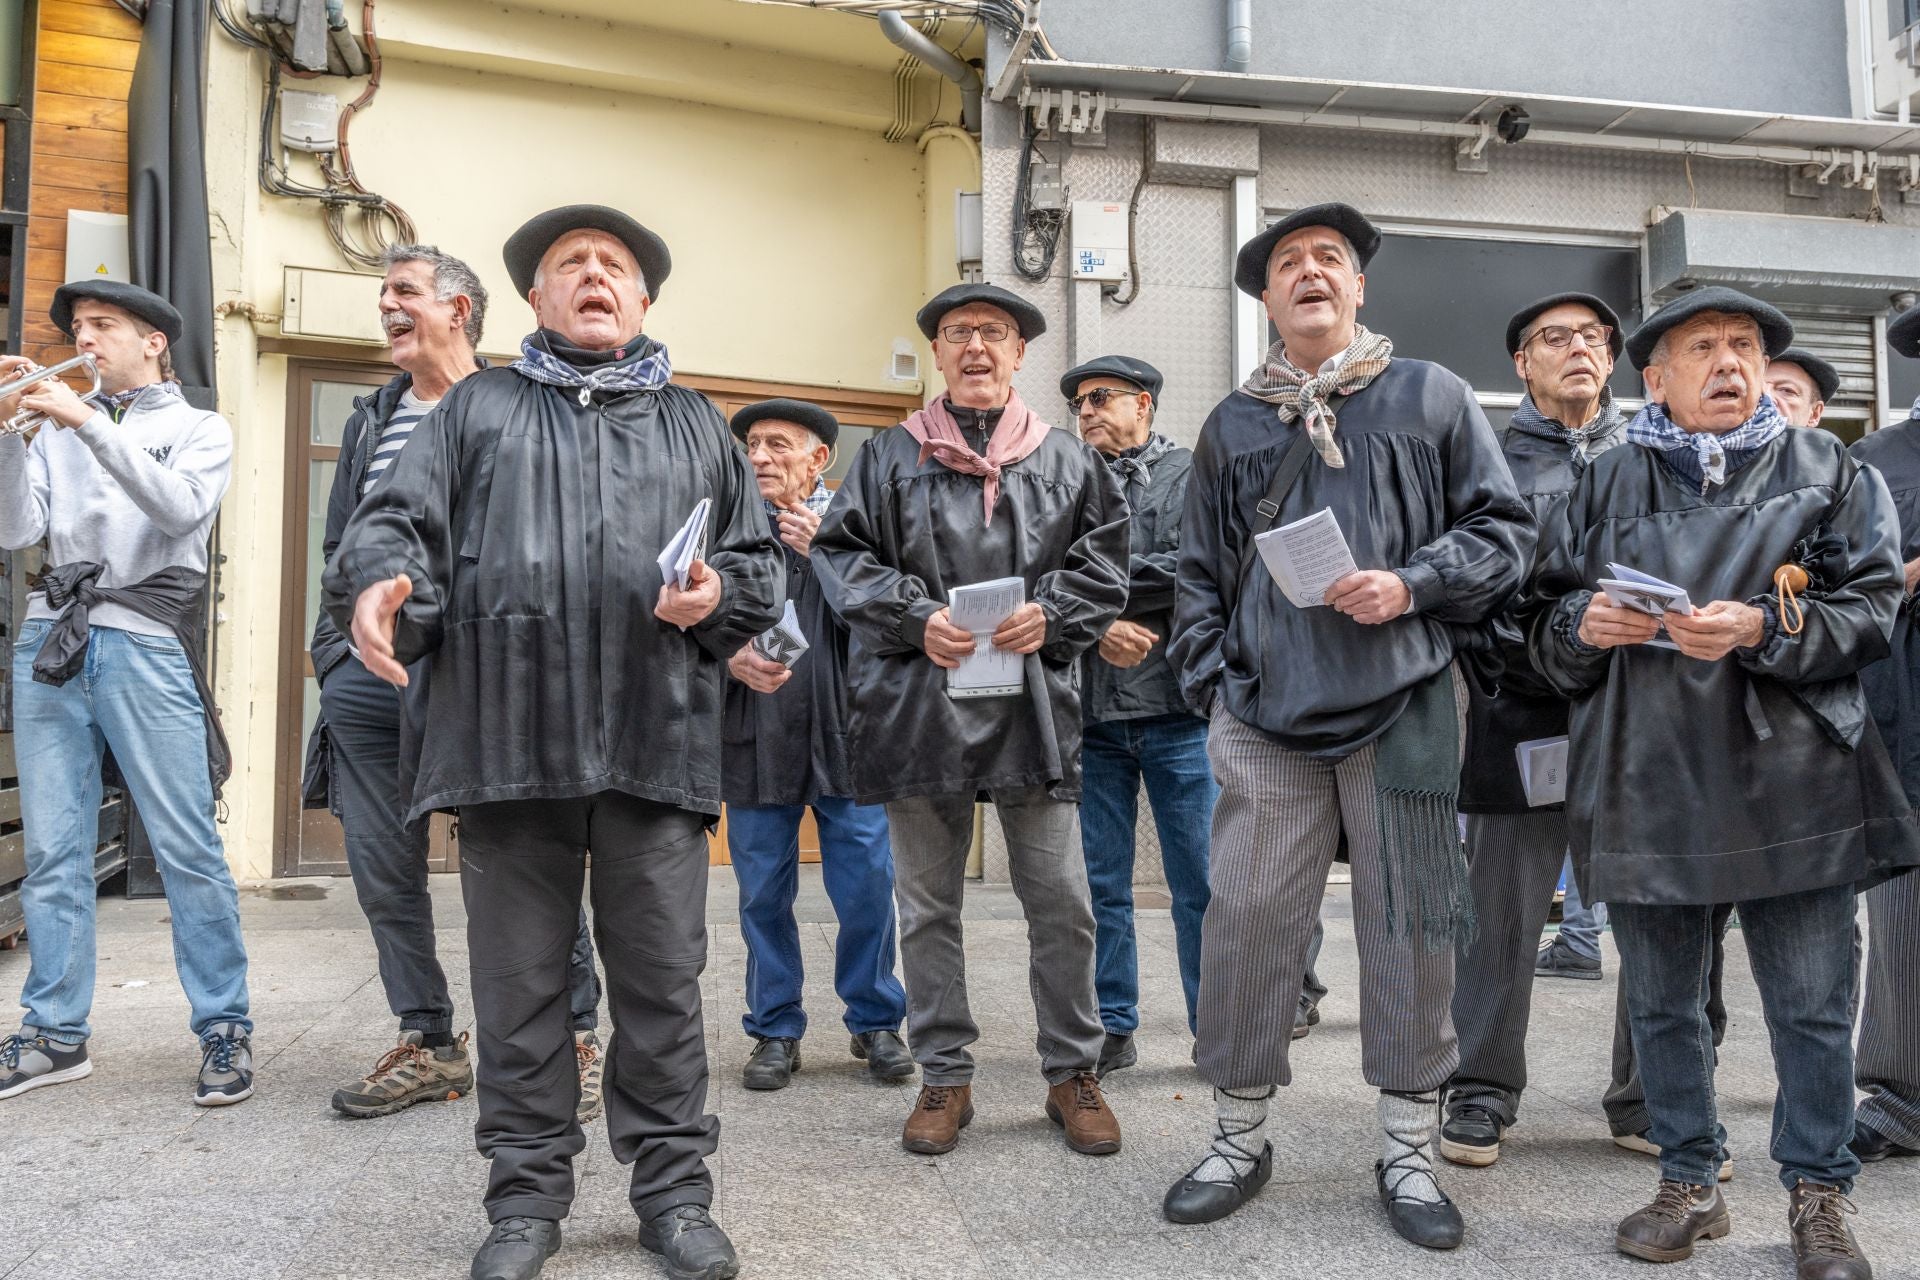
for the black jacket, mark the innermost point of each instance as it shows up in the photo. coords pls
(1155, 483)
(530, 524)
(790, 746)
(1892, 685)
(1755, 776)
(1519, 706)
(1424, 491)
(900, 535)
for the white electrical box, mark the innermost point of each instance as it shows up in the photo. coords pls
(309, 121)
(96, 246)
(969, 229)
(1099, 240)
(340, 305)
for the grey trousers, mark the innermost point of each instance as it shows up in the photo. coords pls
(1887, 1063)
(931, 836)
(522, 866)
(1275, 830)
(1514, 862)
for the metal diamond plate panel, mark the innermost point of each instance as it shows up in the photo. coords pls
(1203, 154)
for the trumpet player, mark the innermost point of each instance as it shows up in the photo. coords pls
(123, 486)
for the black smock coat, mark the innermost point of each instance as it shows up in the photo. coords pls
(901, 534)
(1518, 706)
(530, 524)
(1892, 684)
(790, 746)
(1424, 492)
(1155, 483)
(1758, 775)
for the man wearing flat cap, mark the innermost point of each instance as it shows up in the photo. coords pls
(972, 489)
(123, 488)
(1800, 384)
(1137, 726)
(1736, 764)
(785, 751)
(574, 709)
(1887, 1070)
(1563, 348)
(1338, 718)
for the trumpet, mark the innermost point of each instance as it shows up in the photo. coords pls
(26, 420)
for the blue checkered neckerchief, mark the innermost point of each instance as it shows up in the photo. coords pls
(117, 403)
(649, 373)
(1700, 457)
(817, 502)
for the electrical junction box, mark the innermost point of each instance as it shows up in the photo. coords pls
(309, 121)
(340, 305)
(1099, 241)
(96, 246)
(1046, 188)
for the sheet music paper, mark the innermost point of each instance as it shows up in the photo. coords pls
(980, 608)
(1643, 593)
(783, 642)
(686, 546)
(1543, 769)
(1306, 557)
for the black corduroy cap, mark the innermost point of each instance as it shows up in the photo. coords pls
(536, 235)
(1526, 315)
(799, 412)
(131, 298)
(1776, 331)
(1250, 266)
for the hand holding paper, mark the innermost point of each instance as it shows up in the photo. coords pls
(983, 610)
(686, 607)
(1306, 557)
(1370, 596)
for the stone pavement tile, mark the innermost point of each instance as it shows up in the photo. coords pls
(773, 1198)
(17, 1246)
(236, 1237)
(51, 1175)
(104, 1105)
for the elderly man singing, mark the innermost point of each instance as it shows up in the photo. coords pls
(574, 709)
(1738, 762)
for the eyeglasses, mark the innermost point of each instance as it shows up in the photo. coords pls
(1098, 397)
(1560, 337)
(961, 334)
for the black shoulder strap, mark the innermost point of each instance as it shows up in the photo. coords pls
(1285, 476)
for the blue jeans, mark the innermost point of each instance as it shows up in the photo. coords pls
(856, 862)
(1801, 948)
(1580, 924)
(134, 694)
(1170, 752)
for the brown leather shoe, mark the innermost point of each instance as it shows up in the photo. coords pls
(1076, 1105)
(1680, 1214)
(1823, 1244)
(938, 1116)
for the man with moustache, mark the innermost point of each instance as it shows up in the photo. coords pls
(1341, 719)
(977, 487)
(432, 309)
(786, 752)
(574, 709)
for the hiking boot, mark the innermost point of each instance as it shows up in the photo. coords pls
(516, 1249)
(1638, 1142)
(1868, 1143)
(1305, 1018)
(408, 1073)
(1116, 1053)
(27, 1062)
(593, 1069)
(772, 1064)
(1558, 960)
(1823, 1244)
(1471, 1136)
(1681, 1213)
(1076, 1105)
(885, 1054)
(226, 1066)
(939, 1114)
(692, 1244)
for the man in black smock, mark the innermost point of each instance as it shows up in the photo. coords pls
(1739, 765)
(972, 488)
(1340, 718)
(575, 707)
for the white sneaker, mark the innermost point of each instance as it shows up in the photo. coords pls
(1638, 1142)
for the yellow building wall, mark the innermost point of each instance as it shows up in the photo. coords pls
(801, 250)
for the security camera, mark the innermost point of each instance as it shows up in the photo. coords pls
(1905, 300)
(1513, 123)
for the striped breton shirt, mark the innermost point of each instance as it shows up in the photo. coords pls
(406, 416)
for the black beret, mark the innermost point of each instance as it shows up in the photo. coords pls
(1826, 378)
(798, 412)
(1250, 268)
(1776, 331)
(1534, 310)
(536, 235)
(131, 298)
(1903, 333)
(1126, 368)
(1029, 317)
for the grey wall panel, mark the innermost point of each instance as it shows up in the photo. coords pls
(1786, 56)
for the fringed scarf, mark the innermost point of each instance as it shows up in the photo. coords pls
(1298, 394)
(1018, 433)
(1416, 777)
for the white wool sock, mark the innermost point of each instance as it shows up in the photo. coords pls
(1406, 1124)
(1239, 1134)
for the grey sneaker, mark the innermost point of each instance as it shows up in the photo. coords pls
(226, 1066)
(1556, 959)
(27, 1062)
(593, 1067)
(408, 1073)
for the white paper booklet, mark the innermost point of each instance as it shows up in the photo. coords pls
(686, 546)
(1306, 557)
(782, 642)
(1543, 769)
(1644, 593)
(980, 608)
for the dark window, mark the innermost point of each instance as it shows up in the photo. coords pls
(1903, 381)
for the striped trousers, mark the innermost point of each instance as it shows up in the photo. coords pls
(1276, 828)
(1887, 1063)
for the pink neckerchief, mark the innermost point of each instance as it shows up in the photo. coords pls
(1017, 434)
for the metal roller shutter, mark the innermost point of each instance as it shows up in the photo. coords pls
(1846, 342)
